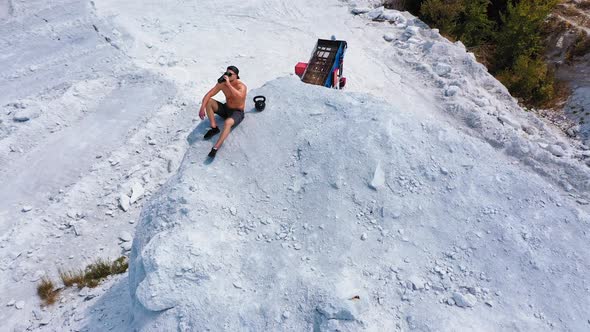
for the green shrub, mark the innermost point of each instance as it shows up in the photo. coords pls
(442, 14)
(98, 270)
(120, 265)
(580, 47)
(529, 80)
(473, 26)
(520, 32)
(508, 37)
(413, 6)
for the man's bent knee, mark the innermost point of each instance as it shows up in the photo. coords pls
(229, 122)
(212, 104)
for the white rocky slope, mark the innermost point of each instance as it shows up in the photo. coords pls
(337, 211)
(121, 79)
(80, 126)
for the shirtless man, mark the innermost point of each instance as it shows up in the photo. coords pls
(232, 111)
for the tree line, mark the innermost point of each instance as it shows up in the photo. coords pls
(505, 35)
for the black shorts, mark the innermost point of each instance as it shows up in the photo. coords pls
(234, 113)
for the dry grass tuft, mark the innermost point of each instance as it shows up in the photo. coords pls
(97, 271)
(120, 265)
(71, 278)
(47, 292)
(94, 273)
(91, 277)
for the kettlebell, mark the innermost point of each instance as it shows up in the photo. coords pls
(259, 103)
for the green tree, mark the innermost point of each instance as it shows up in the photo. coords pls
(442, 14)
(529, 80)
(413, 6)
(474, 27)
(520, 33)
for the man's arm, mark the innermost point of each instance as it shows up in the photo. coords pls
(210, 94)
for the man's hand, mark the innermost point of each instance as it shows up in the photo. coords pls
(202, 113)
(226, 80)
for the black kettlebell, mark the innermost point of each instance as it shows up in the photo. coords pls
(259, 103)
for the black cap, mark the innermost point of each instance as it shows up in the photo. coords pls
(235, 70)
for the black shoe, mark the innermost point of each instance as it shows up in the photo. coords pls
(211, 132)
(212, 153)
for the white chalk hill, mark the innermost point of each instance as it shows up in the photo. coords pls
(336, 211)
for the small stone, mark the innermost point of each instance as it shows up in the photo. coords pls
(233, 210)
(297, 246)
(442, 69)
(137, 192)
(376, 13)
(417, 282)
(571, 132)
(556, 150)
(21, 117)
(124, 202)
(10, 303)
(364, 236)
(286, 314)
(37, 314)
(360, 10)
(127, 246)
(172, 62)
(84, 292)
(19, 305)
(464, 301)
(452, 90)
(388, 37)
(237, 285)
(125, 237)
(26, 208)
(37, 275)
(77, 229)
(378, 180)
